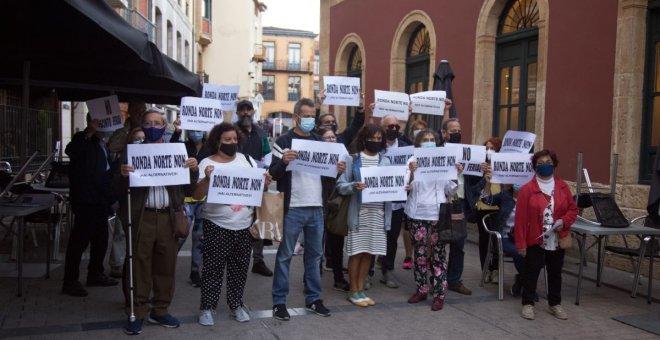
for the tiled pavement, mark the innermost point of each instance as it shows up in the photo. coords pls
(44, 313)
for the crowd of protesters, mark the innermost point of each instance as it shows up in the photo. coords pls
(222, 245)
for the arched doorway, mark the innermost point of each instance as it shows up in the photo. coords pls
(353, 69)
(516, 67)
(417, 71)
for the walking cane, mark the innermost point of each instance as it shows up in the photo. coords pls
(130, 257)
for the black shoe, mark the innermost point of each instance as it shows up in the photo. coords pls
(342, 286)
(261, 269)
(101, 280)
(195, 280)
(280, 312)
(318, 308)
(74, 289)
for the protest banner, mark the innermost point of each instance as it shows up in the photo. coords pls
(400, 155)
(472, 157)
(320, 158)
(511, 168)
(106, 111)
(342, 91)
(200, 114)
(157, 164)
(436, 163)
(236, 185)
(226, 94)
(391, 103)
(517, 142)
(384, 183)
(429, 102)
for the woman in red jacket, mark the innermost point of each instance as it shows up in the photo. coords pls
(545, 211)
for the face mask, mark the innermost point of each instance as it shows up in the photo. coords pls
(138, 141)
(545, 170)
(455, 137)
(245, 121)
(373, 147)
(428, 145)
(391, 134)
(229, 149)
(516, 187)
(332, 127)
(307, 124)
(489, 153)
(416, 132)
(153, 134)
(195, 136)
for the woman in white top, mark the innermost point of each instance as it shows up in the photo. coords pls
(227, 242)
(422, 209)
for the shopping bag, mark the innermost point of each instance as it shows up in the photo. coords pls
(269, 217)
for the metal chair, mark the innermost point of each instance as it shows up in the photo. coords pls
(489, 255)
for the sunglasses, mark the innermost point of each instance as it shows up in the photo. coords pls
(393, 127)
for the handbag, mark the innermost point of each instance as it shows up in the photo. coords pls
(336, 217)
(451, 222)
(269, 218)
(181, 226)
(566, 242)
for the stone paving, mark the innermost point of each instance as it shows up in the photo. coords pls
(44, 313)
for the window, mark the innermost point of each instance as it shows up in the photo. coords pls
(170, 38)
(294, 88)
(651, 111)
(354, 69)
(268, 86)
(294, 57)
(418, 66)
(179, 47)
(206, 9)
(187, 52)
(159, 29)
(317, 65)
(515, 72)
(269, 47)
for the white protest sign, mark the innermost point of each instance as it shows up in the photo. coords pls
(236, 185)
(157, 164)
(106, 111)
(320, 158)
(226, 94)
(429, 102)
(472, 157)
(200, 114)
(400, 155)
(517, 142)
(511, 168)
(391, 103)
(384, 183)
(342, 91)
(436, 163)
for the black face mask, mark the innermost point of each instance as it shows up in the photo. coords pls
(229, 149)
(373, 147)
(454, 137)
(391, 134)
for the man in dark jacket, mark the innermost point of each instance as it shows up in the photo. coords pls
(90, 193)
(257, 146)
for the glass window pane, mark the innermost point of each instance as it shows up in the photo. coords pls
(504, 86)
(515, 85)
(504, 125)
(530, 118)
(531, 83)
(515, 124)
(657, 67)
(655, 133)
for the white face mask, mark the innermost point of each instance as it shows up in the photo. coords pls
(489, 153)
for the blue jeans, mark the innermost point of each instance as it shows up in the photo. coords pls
(194, 214)
(308, 220)
(455, 268)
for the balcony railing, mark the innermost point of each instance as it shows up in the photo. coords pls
(138, 21)
(284, 65)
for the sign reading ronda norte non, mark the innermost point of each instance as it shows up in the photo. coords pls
(157, 164)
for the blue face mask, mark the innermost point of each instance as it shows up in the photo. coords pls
(428, 145)
(516, 187)
(153, 134)
(195, 136)
(545, 170)
(307, 124)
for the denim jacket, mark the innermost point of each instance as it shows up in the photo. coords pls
(345, 187)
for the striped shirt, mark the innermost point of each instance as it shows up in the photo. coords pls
(157, 198)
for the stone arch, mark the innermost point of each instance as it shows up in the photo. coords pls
(400, 45)
(484, 70)
(341, 65)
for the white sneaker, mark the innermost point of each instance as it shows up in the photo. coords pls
(489, 277)
(240, 314)
(494, 276)
(558, 312)
(528, 312)
(205, 317)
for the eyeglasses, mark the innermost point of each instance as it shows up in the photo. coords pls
(330, 139)
(393, 127)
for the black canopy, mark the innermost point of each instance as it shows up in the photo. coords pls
(442, 79)
(83, 49)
